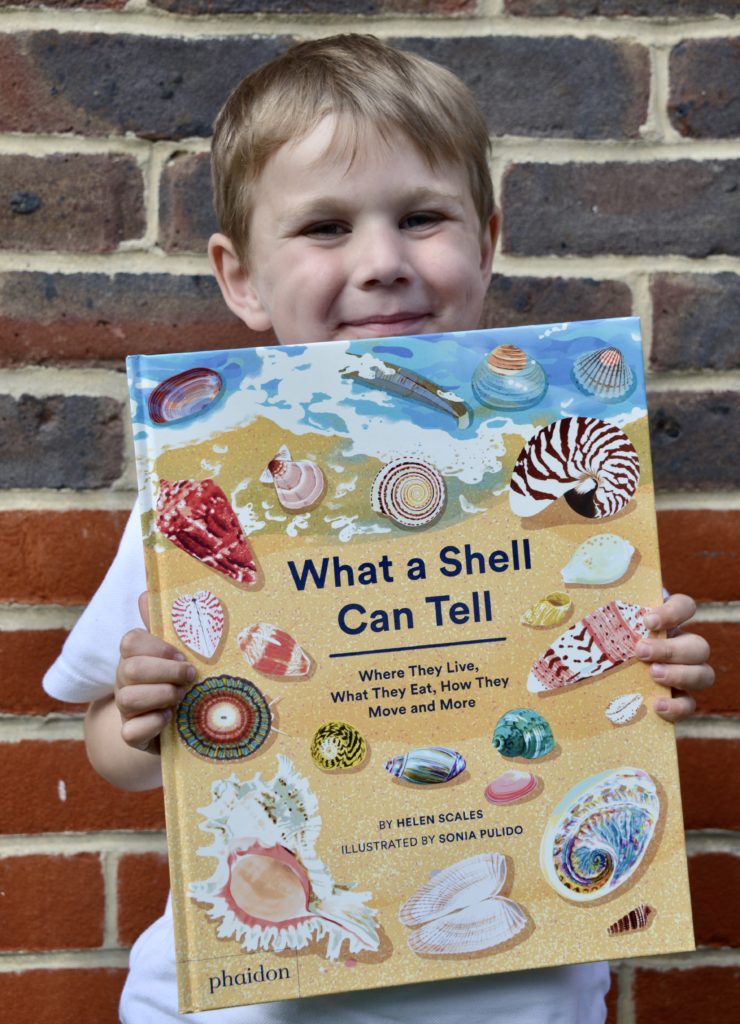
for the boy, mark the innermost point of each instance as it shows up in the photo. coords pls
(353, 192)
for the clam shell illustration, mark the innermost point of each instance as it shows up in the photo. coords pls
(270, 890)
(604, 374)
(634, 921)
(599, 833)
(601, 559)
(523, 732)
(427, 766)
(460, 910)
(510, 787)
(298, 485)
(273, 652)
(198, 620)
(337, 745)
(223, 718)
(552, 610)
(623, 709)
(410, 492)
(507, 378)
(184, 395)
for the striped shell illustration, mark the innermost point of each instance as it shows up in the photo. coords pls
(223, 718)
(623, 709)
(589, 462)
(603, 558)
(507, 378)
(552, 610)
(460, 910)
(410, 492)
(605, 638)
(273, 652)
(523, 732)
(427, 766)
(599, 833)
(603, 374)
(269, 889)
(184, 395)
(298, 485)
(337, 745)
(634, 921)
(198, 620)
(510, 787)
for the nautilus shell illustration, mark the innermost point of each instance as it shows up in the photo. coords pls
(198, 620)
(223, 718)
(604, 374)
(603, 558)
(409, 491)
(552, 610)
(299, 485)
(273, 652)
(460, 910)
(599, 833)
(270, 890)
(427, 766)
(373, 372)
(337, 745)
(523, 732)
(624, 708)
(634, 921)
(184, 395)
(509, 379)
(510, 787)
(589, 462)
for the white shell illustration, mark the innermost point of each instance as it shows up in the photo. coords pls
(601, 559)
(409, 491)
(459, 910)
(198, 620)
(270, 890)
(623, 709)
(298, 485)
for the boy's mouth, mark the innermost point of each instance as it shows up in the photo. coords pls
(403, 319)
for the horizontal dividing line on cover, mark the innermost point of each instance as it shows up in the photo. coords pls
(418, 647)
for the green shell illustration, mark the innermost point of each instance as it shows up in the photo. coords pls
(523, 733)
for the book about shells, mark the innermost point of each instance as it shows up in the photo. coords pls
(411, 573)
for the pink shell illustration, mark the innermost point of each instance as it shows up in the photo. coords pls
(299, 485)
(198, 620)
(273, 652)
(510, 787)
(184, 394)
(605, 638)
(195, 515)
(589, 462)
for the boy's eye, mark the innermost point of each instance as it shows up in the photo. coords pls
(421, 220)
(326, 229)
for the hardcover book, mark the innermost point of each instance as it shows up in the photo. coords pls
(411, 574)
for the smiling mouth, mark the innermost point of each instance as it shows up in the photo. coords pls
(387, 318)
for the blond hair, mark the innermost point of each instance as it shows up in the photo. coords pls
(364, 82)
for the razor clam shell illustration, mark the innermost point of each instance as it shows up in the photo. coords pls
(196, 516)
(634, 921)
(589, 462)
(299, 485)
(409, 491)
(377, 373)
(523, 732)
(273, 652)
(223, 718)
(337, 745)
(623, 709)
(510, 787)
(198, 620)
(184, 395)
(604, 639)
(427, 766)
(459, 910)
(507, 378)
(552, 610)
(603, 374)
(599, 833)
(601, 559)
(269, 890)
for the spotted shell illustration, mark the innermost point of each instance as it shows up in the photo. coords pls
(223, 718)
(623, 709)
(298, 485)
(269, 889)
(634, 921)
(507, 378)
(589, 462)
(184, 395)
(552, 610)
(273, 652)
(510, 787)
(198, 620)
(337, 745)
(523, 732)
(410, 492)
(604, 374)
(427, 766)
(601, 559)
(599, 833)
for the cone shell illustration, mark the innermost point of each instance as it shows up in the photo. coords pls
(198, 620)
(298, 485)
(337, 745)
(552, 610)
(223, 718)
(410, 492)
(184, 395)
(602, 559)
(523, 732)
(510, 787)
(604, 374)
(273, 652)
(634, 921)
(427, 766)
(509, 379)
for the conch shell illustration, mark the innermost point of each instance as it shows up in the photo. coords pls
(298, 485)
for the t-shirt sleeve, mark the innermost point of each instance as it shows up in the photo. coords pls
(86, 667)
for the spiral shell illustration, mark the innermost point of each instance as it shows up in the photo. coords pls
(460, 909)
(410, 492)
(427, 766)
(223, 718)
(273, 652)
(510, 787)
(198, 620)
(298, 485)
(598, 834)
(601, 559)
(604, 374)
(623, 709)
(523, 732)
(337, 745)
(634, 921)
(552, 610)
(184, 395)
(509, 379)
(589, 462)
(269, 889)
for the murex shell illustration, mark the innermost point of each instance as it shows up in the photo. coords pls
(507, 378)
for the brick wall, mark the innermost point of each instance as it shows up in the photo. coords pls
(617, 161)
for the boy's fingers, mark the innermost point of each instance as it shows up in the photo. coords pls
(144, 608)
(143, 731)
(679, 608)
(139, 700)
(143, 669)
(139, 642)
(675, 709)
(683, 677)
(687, 649)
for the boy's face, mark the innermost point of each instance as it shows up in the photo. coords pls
(387, 245)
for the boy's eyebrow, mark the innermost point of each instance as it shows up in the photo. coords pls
(331, 206)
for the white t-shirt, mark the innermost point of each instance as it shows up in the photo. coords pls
(85, 671)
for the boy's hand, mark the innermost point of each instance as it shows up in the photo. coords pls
(678, 662)
(150, 678)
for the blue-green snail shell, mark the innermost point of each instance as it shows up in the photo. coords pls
(523, 733)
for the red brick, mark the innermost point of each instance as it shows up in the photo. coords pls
(707, 994)
(715, 898)
(51, 787)
(659, 9)
(355, 8)
(52, 902)
(143, 883)
(64, 996)
(724, 697)
(710, 783)
(612, 998)
(700, 553)
(56, 557)
(704, 100)
(515, 301)
(25, 655)
(112, 5)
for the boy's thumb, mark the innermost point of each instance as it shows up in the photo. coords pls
(144, 608)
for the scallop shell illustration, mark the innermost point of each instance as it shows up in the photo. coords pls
(599, 833)
(223, 718)
(410, 492)
(623, 709)
(523, 732)
(373, 372)
(269, 890)
(337, 745)
(509, 379)
(589, 462)
(604, 639)
(510, 787)
(427, 765)
(196, 516)
(184, 395)
(552, 610)
(298, 485)
(601, 559)
(604, 374)
(273, 652)
(634, 921)
(198, 620)
(460, 909)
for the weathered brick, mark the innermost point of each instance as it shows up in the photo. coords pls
(724, 639)
(704, 100)
(60, 441)
(700, 553)
(362, 8)
(53, 902)
(25, 655)
(142, 885)
(684, 431)
(186, 213)
(695, 318)
(62, 996)
(113, 5)
(685, 996)
(715, 898)
(659, 9)
(687, 207)
(79, 203)
(51, 787)
(56, 557)
(512, 301)
(710, 784)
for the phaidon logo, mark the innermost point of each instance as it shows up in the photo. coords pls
(247, 977)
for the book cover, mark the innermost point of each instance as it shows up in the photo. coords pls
(411, 574)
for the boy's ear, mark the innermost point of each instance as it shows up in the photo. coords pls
(488, 242)
(236, 284)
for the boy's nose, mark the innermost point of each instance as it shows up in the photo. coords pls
(380, 258)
